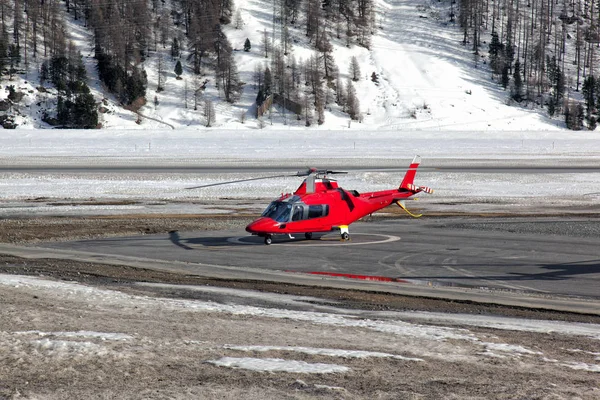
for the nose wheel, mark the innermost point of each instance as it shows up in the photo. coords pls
(268, 239)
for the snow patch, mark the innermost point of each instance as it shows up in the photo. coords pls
(509, 348)
(79, 334)
(582, 366)
(67, 348)
(278, 365)
(323, 352)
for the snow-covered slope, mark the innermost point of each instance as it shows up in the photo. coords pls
(427, 80)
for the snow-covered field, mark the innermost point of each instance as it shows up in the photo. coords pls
(242, 154)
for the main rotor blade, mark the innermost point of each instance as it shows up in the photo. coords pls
(240, 180)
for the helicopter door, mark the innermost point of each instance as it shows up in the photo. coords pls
(299, 212)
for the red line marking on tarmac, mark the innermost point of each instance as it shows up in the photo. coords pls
(355, 276)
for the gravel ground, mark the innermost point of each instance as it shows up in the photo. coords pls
(62, 342)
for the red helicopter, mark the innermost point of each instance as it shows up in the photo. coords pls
(320, 205)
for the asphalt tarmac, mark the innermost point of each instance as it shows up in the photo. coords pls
(553, 257)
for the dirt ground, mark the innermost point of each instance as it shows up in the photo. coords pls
(80, 330)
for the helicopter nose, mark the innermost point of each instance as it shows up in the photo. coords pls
(262, 225)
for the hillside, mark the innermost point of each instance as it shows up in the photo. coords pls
(426, 78)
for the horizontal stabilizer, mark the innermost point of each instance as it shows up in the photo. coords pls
(418, 189)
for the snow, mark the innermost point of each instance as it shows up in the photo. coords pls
(507, 348)
(366, 151)
(66, 348)
(597, 355)
(323, 352)
(507, 323)
(582, 366)
(242, 154)
(278, 365)
(79, 334)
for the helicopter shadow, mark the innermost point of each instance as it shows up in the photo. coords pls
(230, 241)
(176, 240)
(214, 241)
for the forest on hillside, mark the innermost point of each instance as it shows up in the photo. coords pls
(535, 49)
(539, 49)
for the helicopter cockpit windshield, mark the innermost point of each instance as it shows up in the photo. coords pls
(280, 211)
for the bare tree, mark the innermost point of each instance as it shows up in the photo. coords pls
(209, 113)
(226, 71)
(266, 43)
(326, 57)
(161, 74)
(307, 110)
(320, 104)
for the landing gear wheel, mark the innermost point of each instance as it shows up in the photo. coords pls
(308, 235)
(268, 239)
(345, 236)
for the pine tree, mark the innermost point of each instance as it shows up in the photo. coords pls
(238, 22)
(589, 95)
(352, 103)
(551, 106)
(556, 79)
(85, 114)
(175, 50)
(14, 56)
(517, 89)
(580, 117)
(63, 114)
(247, 45)
(178, 69)
(340, 93)
(574, 115)
(494, 54)
(589, 92)
(268, 82)
(505, 79)
(44, 73)
(354, 69)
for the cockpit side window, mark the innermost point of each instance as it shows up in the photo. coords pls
(318, 211)
(315, 211)
(298, 214)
